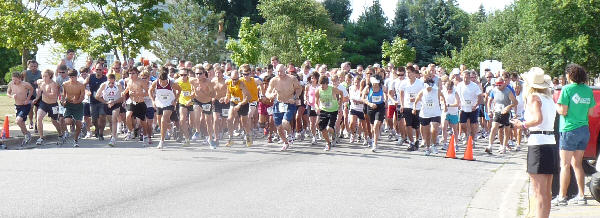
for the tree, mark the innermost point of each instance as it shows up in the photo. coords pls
(364, 38)
(283, 20)
(234, 11)
(10, 58)
(400, 24)
(191, 35)
(315, 47)
(24, 24)
(398, 52)
(339, 10)
(247, 49)
(127, 24)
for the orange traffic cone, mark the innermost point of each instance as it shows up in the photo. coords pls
(5, 129)
(451, 153)
(469, 151)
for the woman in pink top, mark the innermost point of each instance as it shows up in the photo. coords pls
(310, 90)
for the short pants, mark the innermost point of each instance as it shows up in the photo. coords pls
(222, 109)
(283, 111)
(311, 111)
(502, 119)
(263, 108)
(109, 111)
(376, 114)
(86, 109)
(150, 113)
(50, 109)
(167, 108)
(427, 121)
(575, 140)
(391, 109)
(205, 107)
(543, 159)
(452, 118)
(412, 120)
(74, 111)
(97, 109)
(23, 111)
(359, 114)
(243, 111)
(327, 119)
(471, 116)
(138, 109)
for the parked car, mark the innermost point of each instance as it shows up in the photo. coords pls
(591, 155)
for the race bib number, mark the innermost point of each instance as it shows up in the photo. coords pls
(429, 104)
(206, 107)
(412, 95)
(186, 93)
(376, 98)
(270, 110)
(253, 104)
(55, 110)
(235, 99)
(225, 112)
(282, 107)
(468, 102)
(110, 99)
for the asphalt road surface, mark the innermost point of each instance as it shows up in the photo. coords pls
(132, 181)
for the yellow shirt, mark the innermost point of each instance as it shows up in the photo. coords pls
(252, 88)
(186, 91)
(235, 91)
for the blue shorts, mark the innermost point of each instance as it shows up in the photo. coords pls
(288, 115)
(452, 119)
(471, 116)
(575, 140)
(23, 111)
(150, 113)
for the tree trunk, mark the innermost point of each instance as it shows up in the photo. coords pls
(24, 56)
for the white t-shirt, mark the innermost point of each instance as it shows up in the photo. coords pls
(410, 91)
(397, 87)
(390, 84)
(355, 95)
(450, 99)
(468, 95)
(343, 90)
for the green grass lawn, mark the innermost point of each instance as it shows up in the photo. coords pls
(7, 105)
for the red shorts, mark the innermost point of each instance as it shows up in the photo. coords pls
(391, 109)
(262, 108)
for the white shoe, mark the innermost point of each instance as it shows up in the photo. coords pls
(314, 141)
(434, 150)
(39, 141)
(160, 145)
(111, 143)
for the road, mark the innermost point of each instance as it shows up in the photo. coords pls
(131, 181)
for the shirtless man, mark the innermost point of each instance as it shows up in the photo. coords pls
(73, 93)
(239, 97)
(136, 90)
(21, 91)
(221, 109)
(47, 96)
(109, 94)
(203, 95)
(285, 90)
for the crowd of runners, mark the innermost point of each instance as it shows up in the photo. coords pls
(415, 106)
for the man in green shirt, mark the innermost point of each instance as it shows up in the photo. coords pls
(576, 101)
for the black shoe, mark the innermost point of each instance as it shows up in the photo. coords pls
(101, 138)
(416, 144)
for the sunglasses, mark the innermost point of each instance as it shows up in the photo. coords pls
(61, 72)
(143, 77)
(246, 74)
(401, 75)
(184, 74)
(199, 73)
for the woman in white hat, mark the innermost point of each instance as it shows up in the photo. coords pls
(542, 155)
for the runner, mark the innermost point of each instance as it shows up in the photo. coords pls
(252, 85)
(164, 93)
(73, 93)
(374, 98)
(430, 113)
(97, 110)
(502, 100)
(47, 96)
(284, 90)
(408, 92)
(136, 90)
(239, 97)
(21, 92)
(310, 91)
(450, 113)
(327, 100)
(32, 76)
(185, 103)
(265, 110)
(87, 119)
(356, 117)
(394, 94)
(469, 93)
(145, 76)
(221, 109)
(203, 108)
(109, 94)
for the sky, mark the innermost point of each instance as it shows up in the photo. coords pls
(389, 6)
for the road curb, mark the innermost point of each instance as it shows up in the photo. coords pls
(14, 143)
(499, 195)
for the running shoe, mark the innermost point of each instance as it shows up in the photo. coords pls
(187, 142)
(400, 141)
(229, 143)
(314, 140)
(160, 145)
(434, 150)
(101, 138)
(167, 135)
(578, 200)
(128, 137)
(248, 141)
(445, 146)
(30, 124)
(365, 143)
(195, 136)
(75, 144)
(26, 139)
(111, 143)
(351, 139)
(88, 135)
(488, 150)
(517, 148)
(213, 144)
(39, 141)
(559, 201)
(427, 152)
(3, 146)
(327, 147)
(285, 147)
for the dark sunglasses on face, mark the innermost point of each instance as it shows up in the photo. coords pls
(61, 72)
(143, 77)
(184, 74)
(401, 75)
(246, 74)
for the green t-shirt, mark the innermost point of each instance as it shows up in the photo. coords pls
(579, 98)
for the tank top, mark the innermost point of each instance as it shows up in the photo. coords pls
(235, 91)
(252, 88)
(501, 98)
(431, 103)
(164, 95)
(326, 101)
(95, 85)
(110, 93)
(186, 91)
(377, 97)
(355, 95)
(451, 99)
(548, 115)
(311, 94)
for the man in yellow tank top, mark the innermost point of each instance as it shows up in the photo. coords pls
(252, 85)
(239, 97)
(185, 103)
